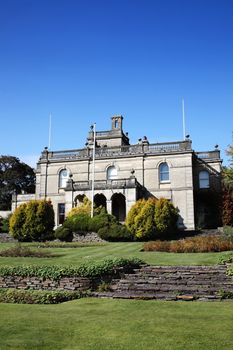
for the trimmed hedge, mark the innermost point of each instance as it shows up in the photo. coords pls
(20, 296)
(55, 273)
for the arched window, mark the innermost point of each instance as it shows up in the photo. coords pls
(112, 173)
(164, 172)
(204, 179)
(63, 178)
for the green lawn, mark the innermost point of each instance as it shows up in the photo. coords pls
(74, 256)
(102, 324)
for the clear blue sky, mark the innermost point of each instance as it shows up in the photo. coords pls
(85, 61)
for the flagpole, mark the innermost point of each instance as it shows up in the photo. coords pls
(93, 173)
(183, 114)
(50, 128)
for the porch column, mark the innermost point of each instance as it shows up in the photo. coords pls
(109, 206)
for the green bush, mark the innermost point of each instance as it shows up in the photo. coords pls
(115, 233)
(4, 224)
(77, 223)
(33, 221)
(20, 296)
(166, 216)
(64, 234)
(102, 220)
(148, 219)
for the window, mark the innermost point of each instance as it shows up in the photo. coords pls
(112, 173)
(204, 179)
(61, 213)
(63, 178)
(164, 172)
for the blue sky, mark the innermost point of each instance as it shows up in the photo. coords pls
(84, 61)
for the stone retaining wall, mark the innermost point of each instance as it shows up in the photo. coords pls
(66, 283)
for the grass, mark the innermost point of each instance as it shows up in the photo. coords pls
(76, 256)
(102, 324)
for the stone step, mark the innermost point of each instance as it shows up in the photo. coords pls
(171, 283)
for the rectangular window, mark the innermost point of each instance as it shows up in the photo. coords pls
(61, 213)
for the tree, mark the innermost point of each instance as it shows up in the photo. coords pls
(15, 176)
(227, 199)
(228, 171)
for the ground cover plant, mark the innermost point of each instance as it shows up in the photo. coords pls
(100, 324)
(54, 272)
(20, 296)
(57, 244)
(192, 245)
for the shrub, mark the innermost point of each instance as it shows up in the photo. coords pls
(115, 233)
(150, 218)
(64, 234)
(33, 221)
(102, 220)
(17, 222)
(5, 224)
(166, 216)
(84, 208)
(78, 223)
(200, 244)
(133, 213)
(37, 297)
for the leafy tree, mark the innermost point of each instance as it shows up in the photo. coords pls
(14, 176)
(227, 198)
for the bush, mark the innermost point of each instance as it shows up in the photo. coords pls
(150, 218)
(166, 216)
(33, 221)
(4, 224)
(84, 208)
(200, 244)
(102, 220)
(78, 223)
(64, 234)
(37, 297)
(115, 233)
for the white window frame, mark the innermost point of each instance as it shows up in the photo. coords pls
(163, 172)
(204, 179)
(62, 181)
(113, 176)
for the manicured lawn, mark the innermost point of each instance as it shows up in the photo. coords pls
(74, 256)
(102, 324)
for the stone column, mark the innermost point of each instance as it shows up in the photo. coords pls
(109, 206)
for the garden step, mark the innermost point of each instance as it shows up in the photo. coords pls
(171, 283)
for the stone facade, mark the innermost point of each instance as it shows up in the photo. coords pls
(125, 173)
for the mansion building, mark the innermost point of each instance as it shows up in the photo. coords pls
(125, 173)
